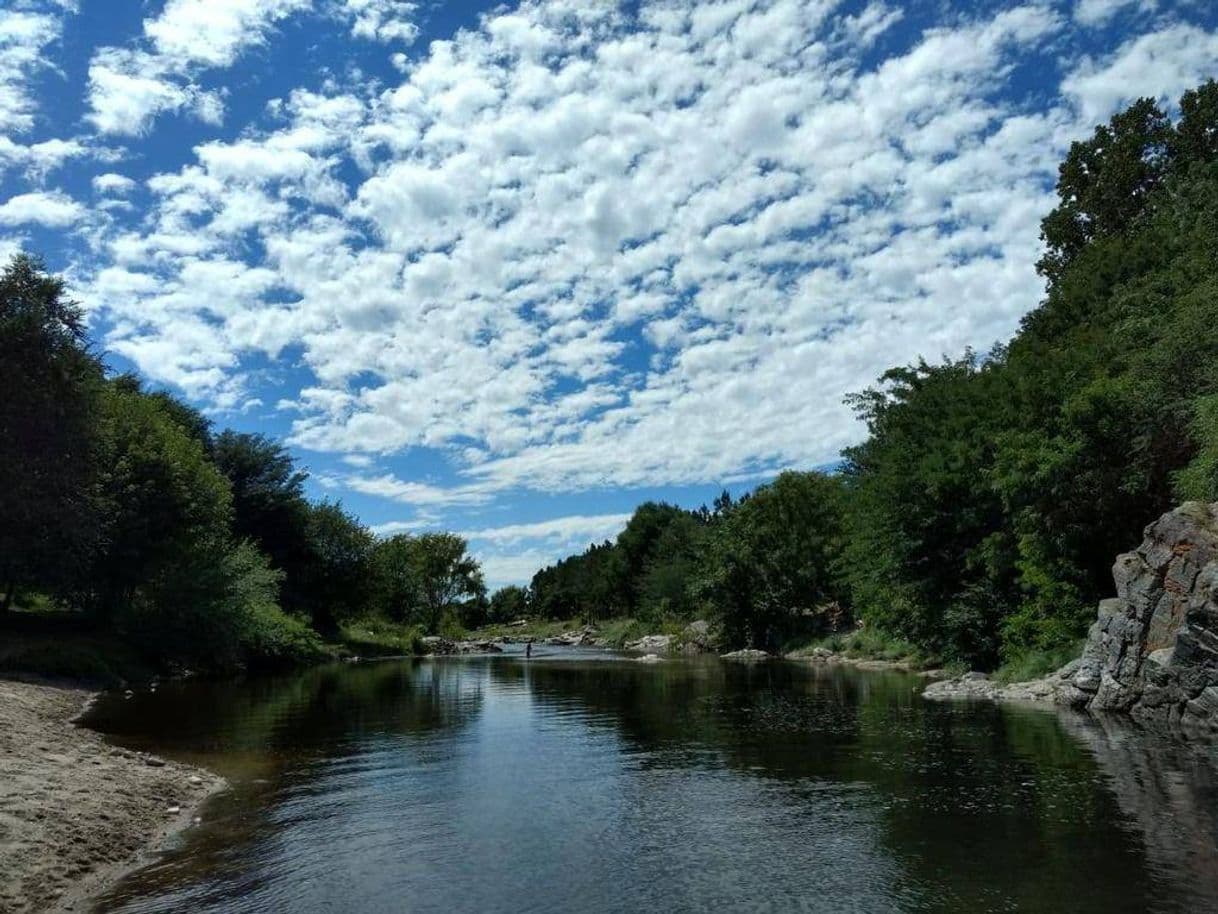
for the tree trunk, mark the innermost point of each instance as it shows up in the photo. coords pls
(9, 592)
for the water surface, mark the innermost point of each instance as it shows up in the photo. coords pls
(583, 782)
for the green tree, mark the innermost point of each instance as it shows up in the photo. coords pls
(269, 505)
(509, 604)
(773, 561)
(49, 519)
(336, 580)
(444, 573)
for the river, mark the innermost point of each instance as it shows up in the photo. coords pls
(581, 781)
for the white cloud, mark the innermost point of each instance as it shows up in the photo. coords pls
(24, 35)
(583, 528)
(382, 20)
(54, 210)
(130, 87)
(1099, 12)
(573, 249)
(111, 183)
(1162, 65)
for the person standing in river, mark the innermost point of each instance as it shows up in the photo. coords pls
(528, 649)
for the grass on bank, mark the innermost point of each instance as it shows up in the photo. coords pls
(373, 637)
(1037, 664)
(869, 644)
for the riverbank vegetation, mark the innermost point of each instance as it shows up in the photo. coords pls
(979, 519)
(136, 536)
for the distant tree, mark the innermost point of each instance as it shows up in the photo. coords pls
(508, 604)
(445, 574)
(336, 581)
(49, 395)
(774, 559)
(396, 585)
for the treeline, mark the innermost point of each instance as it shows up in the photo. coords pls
(980, 518)
(197, 546)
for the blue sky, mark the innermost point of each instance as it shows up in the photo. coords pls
(513, 269)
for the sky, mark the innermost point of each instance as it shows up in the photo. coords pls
(513, 269)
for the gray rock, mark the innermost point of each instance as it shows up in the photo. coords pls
(1153, 650)
(651, 644)
(748, 654)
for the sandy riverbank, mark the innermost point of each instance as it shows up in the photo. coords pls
(76, 813)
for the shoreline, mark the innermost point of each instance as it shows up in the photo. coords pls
(78, 813)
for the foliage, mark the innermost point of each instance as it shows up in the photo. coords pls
(420, 579)
(771, 561)
(508, 604)
(336, 578)
(49, 517)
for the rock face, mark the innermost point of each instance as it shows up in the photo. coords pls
(1153, 651)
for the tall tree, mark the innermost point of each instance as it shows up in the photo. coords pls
(50, 384)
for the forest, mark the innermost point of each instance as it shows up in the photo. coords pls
(977, 520)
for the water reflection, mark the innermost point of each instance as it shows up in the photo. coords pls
(577, 782)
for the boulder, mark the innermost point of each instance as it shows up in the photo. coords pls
(580, 637)
(649, 658)
(748, 654)
(434, 644)
(478, 647)
(696, 638)
(651, 644)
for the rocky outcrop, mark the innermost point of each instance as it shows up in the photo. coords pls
(748, 654)
(697, 638)
(651, 644)
(581, 637)
(1153, 651)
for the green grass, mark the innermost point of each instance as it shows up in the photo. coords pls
(380, 638)
(1035, 664)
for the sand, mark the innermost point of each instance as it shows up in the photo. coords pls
(76, 813)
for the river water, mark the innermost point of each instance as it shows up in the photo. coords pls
(581, 781)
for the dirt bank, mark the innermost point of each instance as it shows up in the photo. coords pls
(76, 812)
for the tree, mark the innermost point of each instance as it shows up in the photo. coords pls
(396, 586)
(444, 573)
(166, 503)
(509, 604)
(336, 581)
(773, 561)
(269, 504)
(49, 519)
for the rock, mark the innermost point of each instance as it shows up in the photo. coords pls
(651, 644)
(173, 810)
(478, 647)
(582, 637)
(748, 654)
(649, 658)
(436, 645)
(153, 762)
(696, 638)
(1152, 651)
(195, 781)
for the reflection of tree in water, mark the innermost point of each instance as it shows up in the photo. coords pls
(273, 737)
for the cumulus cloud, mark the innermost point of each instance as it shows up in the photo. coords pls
(1162, 65)
(53, 210)
(129, 87)
(1099, 12)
